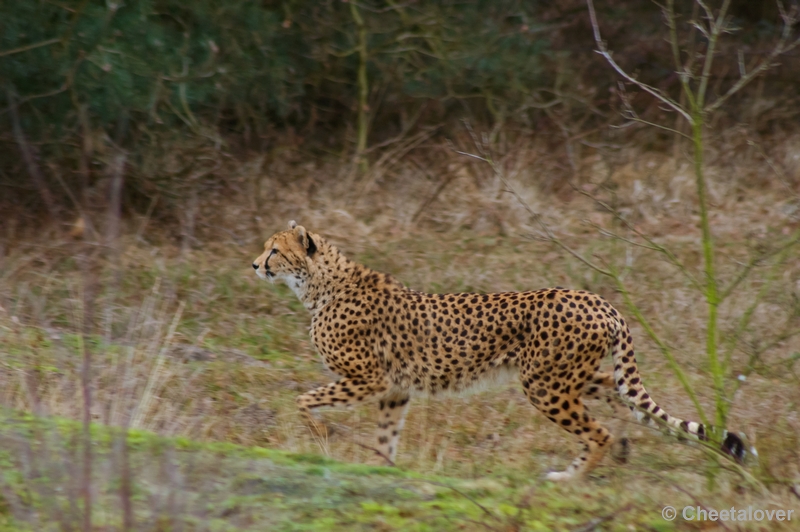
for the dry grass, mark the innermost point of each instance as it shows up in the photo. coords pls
(239, 351)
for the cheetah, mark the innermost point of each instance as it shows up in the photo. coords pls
(388, 342)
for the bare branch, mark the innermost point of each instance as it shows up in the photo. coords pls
(29, 47)
(699, 27)
(615, 236)
(550, 236)
(744, 321)
(29, 157)
(683, 75)
(603, 50)
(783, 46)
(470, 499)
(717, 27)
(755, 261)
(709, 12)
(376, 451)
(658, 126)
(756, 355)
(775, 168)
(653, 245)
(742, 69)
(680, 488)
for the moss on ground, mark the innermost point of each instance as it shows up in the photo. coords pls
(188, 485)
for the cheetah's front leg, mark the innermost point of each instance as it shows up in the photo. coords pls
(347, 391)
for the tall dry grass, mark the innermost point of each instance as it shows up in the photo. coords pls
(187, 342)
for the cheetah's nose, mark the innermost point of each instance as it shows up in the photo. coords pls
(255, 266)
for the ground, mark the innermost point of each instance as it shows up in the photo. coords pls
(227, 374)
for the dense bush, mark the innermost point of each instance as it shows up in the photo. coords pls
(237, 61)
(82, 75)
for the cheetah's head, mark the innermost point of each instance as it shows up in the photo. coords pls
(285, 258)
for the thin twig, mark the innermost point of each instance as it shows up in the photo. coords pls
(755, 261)
(634, 117)
(673, 259)
(679, 488)
(389, 461)
(91, 234)
(603, 51)
(449, 178)
(29, 158)
(756, 355)
(470, 499)
(744, 321)
(29, 47)
(717, 27)
(789, 20)
(606, 232)
(683, 73)
(551, 237)
(594, 523)
(658, 126)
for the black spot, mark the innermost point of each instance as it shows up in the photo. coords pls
(701, 433)
(734, 446)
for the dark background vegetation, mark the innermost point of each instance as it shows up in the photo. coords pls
(182, 88)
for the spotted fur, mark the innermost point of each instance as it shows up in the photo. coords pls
(388, 342)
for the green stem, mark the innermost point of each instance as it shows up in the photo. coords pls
(711, 289)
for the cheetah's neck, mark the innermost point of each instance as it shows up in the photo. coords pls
(331, 273)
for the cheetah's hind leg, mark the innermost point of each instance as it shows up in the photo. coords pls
(568, 412)
(595, 438)
(602, 388)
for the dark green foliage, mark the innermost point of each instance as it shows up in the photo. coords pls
(238, 70)
(232, 61)
(144, 57)
(152, 74)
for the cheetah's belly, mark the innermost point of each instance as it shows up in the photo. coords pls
(492, 378)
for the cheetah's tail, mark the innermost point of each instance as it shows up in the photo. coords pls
(632, 391)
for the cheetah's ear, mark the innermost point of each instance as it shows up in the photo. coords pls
(292, 225)
(302, 237)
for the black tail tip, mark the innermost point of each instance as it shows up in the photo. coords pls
(734, 446)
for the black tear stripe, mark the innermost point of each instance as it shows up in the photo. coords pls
(312, 247)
